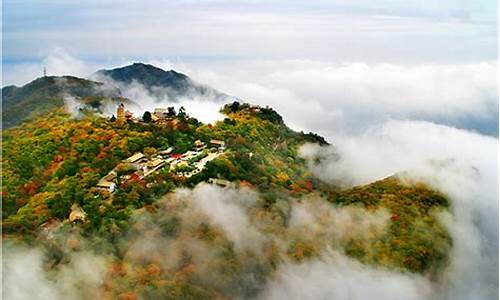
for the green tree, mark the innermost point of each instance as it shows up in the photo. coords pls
(171, 111)
(182, 113)
(146, 117)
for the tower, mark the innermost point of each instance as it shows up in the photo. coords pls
(44, 72)
(120, 114)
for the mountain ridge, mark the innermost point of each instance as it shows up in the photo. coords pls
(48, 92)
(161, 84)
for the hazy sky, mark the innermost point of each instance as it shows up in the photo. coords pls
(412, 31)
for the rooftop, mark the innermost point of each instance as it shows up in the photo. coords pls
(135, 157)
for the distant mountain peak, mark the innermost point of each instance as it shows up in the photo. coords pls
(161, 84)
(145, 74)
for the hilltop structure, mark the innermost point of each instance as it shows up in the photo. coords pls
(120, 114)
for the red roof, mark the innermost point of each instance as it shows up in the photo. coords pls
(135, 176)
(176, 156)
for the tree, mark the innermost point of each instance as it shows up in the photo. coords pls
(146, 117)
(182, 113)
(171, 112)
(113, 118)
(235, 106)
(149, 152)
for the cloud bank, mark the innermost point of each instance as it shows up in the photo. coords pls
(332, 98)
(339, 278)
(212, 236)
(461, 164)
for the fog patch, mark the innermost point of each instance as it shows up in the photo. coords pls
(26, 277)
(316, 219)
(473, 224)
(459, 163)
(333, 98)
(227, 209)
(337, 277)
(205, 107)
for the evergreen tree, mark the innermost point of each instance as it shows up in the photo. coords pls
(146, 117)
(171, 112)
(182, 113)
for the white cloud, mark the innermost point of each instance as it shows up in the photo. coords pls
(336, 277)
(336, 98)
(227, 209)
(58, 62)
(399, 146)
(25, 276)
(461, 164)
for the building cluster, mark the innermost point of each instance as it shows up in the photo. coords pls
(160, 116)
(164, 116)
(139, 166)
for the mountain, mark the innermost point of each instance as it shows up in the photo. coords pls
(46, 93)
(161, 84)
(104, 91)
(171, 208)
(54, 163)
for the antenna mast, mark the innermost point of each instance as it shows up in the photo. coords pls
(44, 72)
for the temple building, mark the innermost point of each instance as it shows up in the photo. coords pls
(120, 114)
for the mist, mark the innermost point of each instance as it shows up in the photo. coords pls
(350, 97)
(337, 277)
(168, 242)
(461, 164)
(25, 275)
(202, 107)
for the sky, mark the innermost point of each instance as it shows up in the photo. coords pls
(405, 32)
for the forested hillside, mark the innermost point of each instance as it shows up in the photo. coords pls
(162, 236)
(49, 92)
